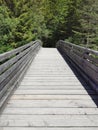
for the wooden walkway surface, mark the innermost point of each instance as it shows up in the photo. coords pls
(50, 97)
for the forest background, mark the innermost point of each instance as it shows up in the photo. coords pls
(22, 21)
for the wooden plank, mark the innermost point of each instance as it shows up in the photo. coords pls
(15, 66)
(16, 74)
(82, 60)
(64, 78)
(92, 74)
(50, 111)
(49, 128)
(48, 87)
(10, 86)
(52, 103)
(86, 66)
(77, 46)
(10, 62)
(49, 120)
(89, 81)
(12, 71)
(94, 60)
(51, 83)
(50, 78)
(53, 97)
(7, 55)
(56, 92)
(19, 68)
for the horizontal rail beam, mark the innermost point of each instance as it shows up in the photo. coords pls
(84, 58)
(13, 65)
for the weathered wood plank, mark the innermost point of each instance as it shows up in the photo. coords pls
(91, 58)
(19, 63)
(10, 86)
(50, 78)
(77, 46)
(85, 58)
(51, 83)
(14, 67)
(14, 74)
(53, 97)
(10, 70)
(15, 51)
(49, 120)
(51, 87)
(17, 78)
(51, 111)
(55, 92)
(10, 62)
(51, 103)
(47, 128)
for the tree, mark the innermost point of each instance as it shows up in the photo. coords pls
(49, 20)
(89, 21)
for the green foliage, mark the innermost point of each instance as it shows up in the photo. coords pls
(5, 48)
(88, 18)
(7, 28)
(22, 21)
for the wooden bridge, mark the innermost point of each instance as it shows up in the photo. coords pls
(51, 91)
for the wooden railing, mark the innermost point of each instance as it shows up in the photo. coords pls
(13, 65)
(84, 59)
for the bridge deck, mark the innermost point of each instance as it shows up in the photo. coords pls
(50, 97)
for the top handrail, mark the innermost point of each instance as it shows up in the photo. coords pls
(83, 48)
(8, 54)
